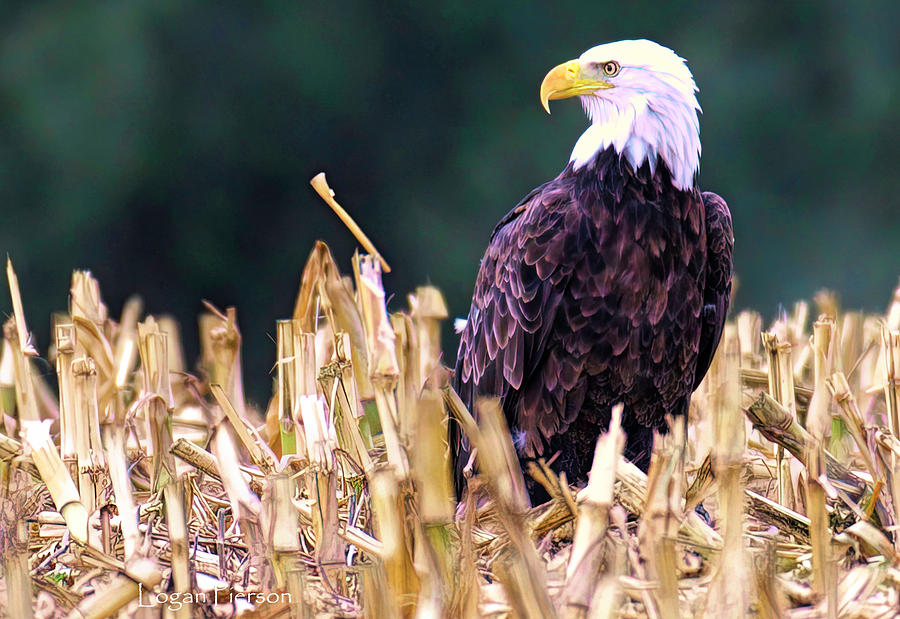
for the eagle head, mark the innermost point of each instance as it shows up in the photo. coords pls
(641, 99)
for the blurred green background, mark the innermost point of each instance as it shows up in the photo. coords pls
(167, 146)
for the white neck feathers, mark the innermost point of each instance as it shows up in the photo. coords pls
(642, 125)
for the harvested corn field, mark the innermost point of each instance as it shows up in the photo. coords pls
(134, 483)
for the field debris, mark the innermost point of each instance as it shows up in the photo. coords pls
(130, 484)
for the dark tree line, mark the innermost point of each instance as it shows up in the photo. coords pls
(168, 145)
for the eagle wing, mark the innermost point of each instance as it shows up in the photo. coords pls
(717, 291)
(519, 287)
(528, 282)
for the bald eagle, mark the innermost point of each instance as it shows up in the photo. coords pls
(609, 283)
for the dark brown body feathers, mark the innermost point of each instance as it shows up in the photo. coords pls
(603, 285)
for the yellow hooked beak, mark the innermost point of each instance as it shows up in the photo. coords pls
(566, 81)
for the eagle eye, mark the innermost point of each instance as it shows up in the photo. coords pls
(611, 68)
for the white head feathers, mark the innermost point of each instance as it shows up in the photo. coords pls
(651, 109)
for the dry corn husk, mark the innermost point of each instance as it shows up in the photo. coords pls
(192, 492)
